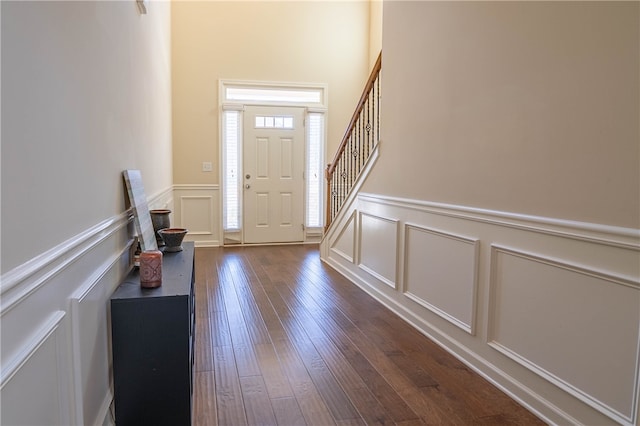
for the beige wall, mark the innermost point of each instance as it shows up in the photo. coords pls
(315, 41)
(525, 107)
(85, 95)
(375, 31)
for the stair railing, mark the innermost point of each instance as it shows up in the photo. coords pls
(361, 137)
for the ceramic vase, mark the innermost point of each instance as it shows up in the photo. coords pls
(173, 238)
(160, 220)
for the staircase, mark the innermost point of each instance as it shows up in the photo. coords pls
(357, 148)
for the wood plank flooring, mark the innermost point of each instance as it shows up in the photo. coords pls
(282, 339)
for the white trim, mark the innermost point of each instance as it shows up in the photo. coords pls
(231, 106)
(604, 234)
(13, 277)
(196, 187)
(542, 372)
(208, 198)
(348, 257)
(76, 298)
(469, 328)
(393, 283)
(56, 259)
(16, 285)
(10, 368)
(317, 110)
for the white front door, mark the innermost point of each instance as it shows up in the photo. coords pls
(273, 163)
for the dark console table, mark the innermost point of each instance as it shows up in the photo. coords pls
(152, 334)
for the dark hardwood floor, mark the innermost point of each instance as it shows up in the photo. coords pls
(282, 339)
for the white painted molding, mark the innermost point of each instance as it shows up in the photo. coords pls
(475, 243)
(201, 237)
(602, 234)
(197, 187)
(75, 300)
(581, 394)
(28, 277)
(349, 257)
(11, 367)
(208, 199)
(393, 242)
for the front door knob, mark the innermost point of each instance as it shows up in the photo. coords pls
(247, 186)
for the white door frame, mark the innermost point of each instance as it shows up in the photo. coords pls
(234, 95)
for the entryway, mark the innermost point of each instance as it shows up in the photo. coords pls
(272, 150)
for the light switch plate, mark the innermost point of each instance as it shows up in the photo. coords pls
(207, 166)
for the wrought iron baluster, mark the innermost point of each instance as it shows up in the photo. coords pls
(359, 141)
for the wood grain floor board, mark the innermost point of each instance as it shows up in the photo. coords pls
(228, 394)
(245, 357)
(331, 391)
(287, 412)
(276, 381)
(205, 413)
(256, 400)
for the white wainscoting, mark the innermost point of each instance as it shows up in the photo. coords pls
(34, 385)
(441, 273)
(345, 243)
(55, 355)
(546, 309)
(378, 247)
(570, 324)
(197, 208)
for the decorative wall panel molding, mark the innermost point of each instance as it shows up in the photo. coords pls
(378, 247)
(441, 273)
(576, 327)
(33, 382)
(345, 243)
(198, 209)
(90, 344)
(197, 214)
(546, 309)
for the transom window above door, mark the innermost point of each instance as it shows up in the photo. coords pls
(257, 93)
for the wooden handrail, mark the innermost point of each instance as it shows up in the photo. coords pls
(365, 93)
